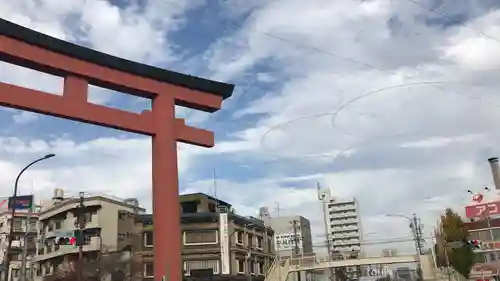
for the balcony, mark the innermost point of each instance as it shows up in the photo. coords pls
(349, 234)
(343, 221)
(342, 208)
(346, 242)
(343, 215)
(344, 228)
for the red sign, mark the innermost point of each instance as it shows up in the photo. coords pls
(478, 198)
(481, 210)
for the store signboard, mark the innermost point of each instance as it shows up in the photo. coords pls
(483, 210)
(22, 202)
(224, 243)
(286, 241)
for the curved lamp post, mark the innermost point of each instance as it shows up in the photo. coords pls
(413, 227)
(13, 213)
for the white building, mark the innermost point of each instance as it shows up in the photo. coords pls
(110, 227)
(344, 227)
(19, 231)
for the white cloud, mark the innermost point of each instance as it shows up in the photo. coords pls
(407, 146)
(332, 52)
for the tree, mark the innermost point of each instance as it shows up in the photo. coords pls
(116, 265)
(453, 230)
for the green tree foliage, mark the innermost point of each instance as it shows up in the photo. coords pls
(453, 230)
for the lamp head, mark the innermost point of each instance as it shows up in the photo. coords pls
(49, 156)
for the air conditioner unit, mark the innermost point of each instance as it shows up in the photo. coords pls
(222, 209)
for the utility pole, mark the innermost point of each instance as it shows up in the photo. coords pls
(418, 236)
(296, 243)
(321, 197)
(278, 209)
(80, 240)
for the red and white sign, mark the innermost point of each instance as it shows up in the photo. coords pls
(482, 210)
(478, 198)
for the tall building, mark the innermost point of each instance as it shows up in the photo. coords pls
(215, 241)
(110, 227)
(24, 231)
(344, 228)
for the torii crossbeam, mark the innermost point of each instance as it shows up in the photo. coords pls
(80, 67)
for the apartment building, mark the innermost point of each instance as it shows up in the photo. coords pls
(24, 231)
(214, 238)
(345, 230)
(110, 227)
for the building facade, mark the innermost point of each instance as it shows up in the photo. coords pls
(24, 231)
(110, 227)
(487, 258)
(215, 239)
(292, 235)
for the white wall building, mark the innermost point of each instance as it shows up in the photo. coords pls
(20, 229)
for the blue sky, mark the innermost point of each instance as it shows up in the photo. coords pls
(400, 150)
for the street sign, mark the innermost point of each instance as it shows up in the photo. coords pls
(23, 202)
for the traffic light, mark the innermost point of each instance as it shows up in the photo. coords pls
(474, 244)
(65, 240)
(78, 235)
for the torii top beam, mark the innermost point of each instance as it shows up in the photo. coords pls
(81, 66)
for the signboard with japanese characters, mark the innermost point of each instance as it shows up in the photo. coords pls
(483, 210)
(286, 241)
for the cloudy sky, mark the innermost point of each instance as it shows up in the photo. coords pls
(391, 101)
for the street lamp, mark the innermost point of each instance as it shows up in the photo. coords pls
(13, 213)
(414, 228)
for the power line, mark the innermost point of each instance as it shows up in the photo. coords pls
(445, 16)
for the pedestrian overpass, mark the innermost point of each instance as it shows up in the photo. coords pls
(280, 269)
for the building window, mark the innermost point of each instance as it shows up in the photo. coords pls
(241, 266)
(201, 264)
(200, 237)
(18, 224)
(259, 242)
(239, 238)
(57, 224)
(148, 239)
(260, 265)
(252, 267)
(211, 207)
(148, 270)
(250, 240)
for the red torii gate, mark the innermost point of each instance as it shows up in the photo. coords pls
(80, 66)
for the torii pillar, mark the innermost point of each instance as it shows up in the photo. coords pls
(80, 67)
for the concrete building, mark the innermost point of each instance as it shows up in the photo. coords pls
(292, 234)
(22, 228)
(215, 239)
(110, 227)
(345, 232)
(487, 258)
